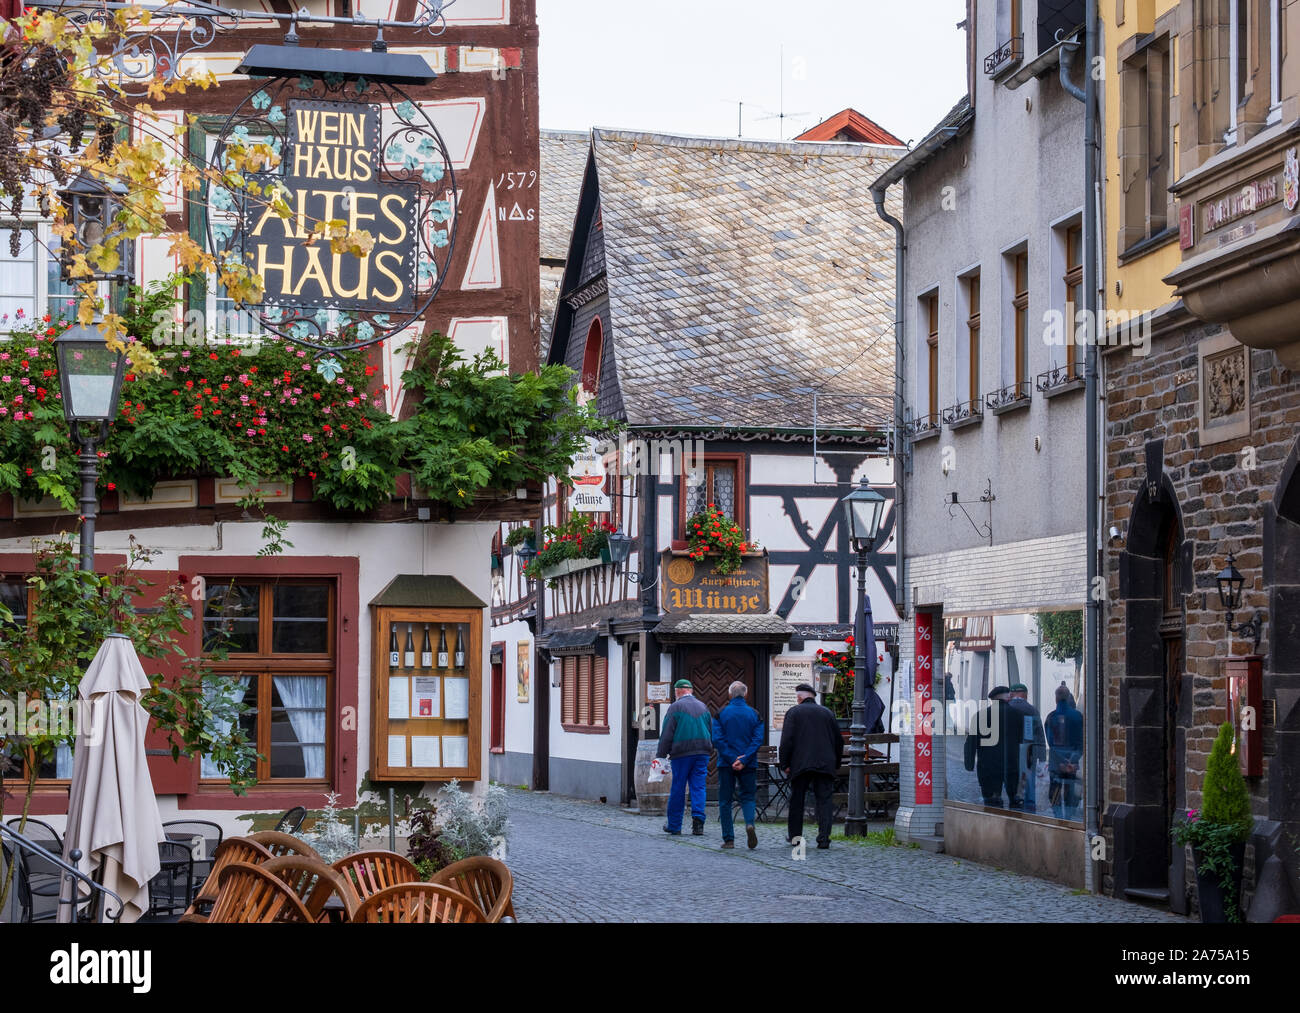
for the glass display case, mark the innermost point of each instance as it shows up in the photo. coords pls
(427, 696)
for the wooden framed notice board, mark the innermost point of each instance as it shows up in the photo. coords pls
(428, 691)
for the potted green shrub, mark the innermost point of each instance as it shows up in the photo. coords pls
(1217, 833)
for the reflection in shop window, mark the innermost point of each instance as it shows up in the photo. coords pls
(1013, 712)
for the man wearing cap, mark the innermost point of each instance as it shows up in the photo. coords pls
(687, 737)
(810, 754)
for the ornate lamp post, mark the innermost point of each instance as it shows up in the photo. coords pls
(91, 379)
(1230, 582)
(91, 205)
(862, 510)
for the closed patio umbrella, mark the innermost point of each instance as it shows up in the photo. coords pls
(112, 812)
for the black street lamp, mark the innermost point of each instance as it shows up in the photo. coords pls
(91, 206)
(90, 375)
(1230, 582)
(862, 510)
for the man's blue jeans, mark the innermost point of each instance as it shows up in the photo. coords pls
(695, 771)
(728, 779)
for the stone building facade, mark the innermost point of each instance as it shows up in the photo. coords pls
(1201, 455)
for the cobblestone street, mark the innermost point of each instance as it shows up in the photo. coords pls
(576, 861)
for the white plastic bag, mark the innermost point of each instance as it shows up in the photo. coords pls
(656, 771)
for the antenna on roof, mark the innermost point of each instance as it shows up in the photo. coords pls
(782, 114)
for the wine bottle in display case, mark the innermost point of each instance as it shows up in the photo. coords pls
(442, 647)
(394, 654)
(459, 656)
(408, 657)
(426, 651)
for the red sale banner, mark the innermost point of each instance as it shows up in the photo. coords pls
(923, 689)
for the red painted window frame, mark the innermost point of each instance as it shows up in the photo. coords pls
(343, 772)
(497, 724)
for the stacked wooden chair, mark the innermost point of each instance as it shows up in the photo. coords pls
(486, 882)
(248, 893)
(368, 872)
(231, 851)
(274, 877)
(413, 903)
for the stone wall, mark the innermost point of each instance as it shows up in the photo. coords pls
(1221, 495)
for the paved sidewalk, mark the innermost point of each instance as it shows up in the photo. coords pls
(576, 861)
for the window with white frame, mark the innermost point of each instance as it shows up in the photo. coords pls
(30, 285)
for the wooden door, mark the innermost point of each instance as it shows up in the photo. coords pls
(711, 671)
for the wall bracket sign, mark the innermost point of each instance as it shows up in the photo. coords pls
(346, 146)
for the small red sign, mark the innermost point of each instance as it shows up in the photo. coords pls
(924, 692)
(1186, 226)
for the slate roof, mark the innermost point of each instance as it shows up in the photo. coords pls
(564, 161)
(698, 624)
(745, 275)
(952, 126)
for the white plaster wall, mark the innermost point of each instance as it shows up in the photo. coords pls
(383, 551)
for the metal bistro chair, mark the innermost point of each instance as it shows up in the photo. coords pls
(202, 837)
(290, 820)
(102, 904)
(42, 877)
(172, 889)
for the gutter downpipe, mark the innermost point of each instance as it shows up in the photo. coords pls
(902, 441)
(1092, 615)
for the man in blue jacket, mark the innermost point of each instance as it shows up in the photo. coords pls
(686, 736)
(737, 734)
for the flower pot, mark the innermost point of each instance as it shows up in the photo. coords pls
(1210, 893)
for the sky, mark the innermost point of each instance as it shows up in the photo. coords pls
(684, 67)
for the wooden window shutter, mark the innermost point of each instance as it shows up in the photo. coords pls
(600, 693)
(584, 689)
(569, 694)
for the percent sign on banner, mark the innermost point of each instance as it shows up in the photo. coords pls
(921, 712)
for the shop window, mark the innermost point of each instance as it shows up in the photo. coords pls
(585, 693)
(279, 648)
(722, 483)
(1146, 145)
(1026, 755)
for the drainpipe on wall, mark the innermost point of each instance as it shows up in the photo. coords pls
(902, 442)
(1091, 273)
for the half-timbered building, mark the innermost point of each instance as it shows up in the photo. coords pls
(730, 303)
(313, 651)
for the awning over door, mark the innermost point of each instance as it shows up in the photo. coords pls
(702, 628)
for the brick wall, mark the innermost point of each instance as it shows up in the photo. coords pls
(1222, 505)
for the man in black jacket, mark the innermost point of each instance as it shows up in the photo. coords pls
(810, 754)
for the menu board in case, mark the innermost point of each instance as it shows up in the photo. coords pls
(428, 692)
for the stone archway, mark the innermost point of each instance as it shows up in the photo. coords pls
(1155, 698)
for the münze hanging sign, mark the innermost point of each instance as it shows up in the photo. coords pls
(331, 166)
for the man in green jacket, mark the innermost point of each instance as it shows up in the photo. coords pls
(686, 737)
